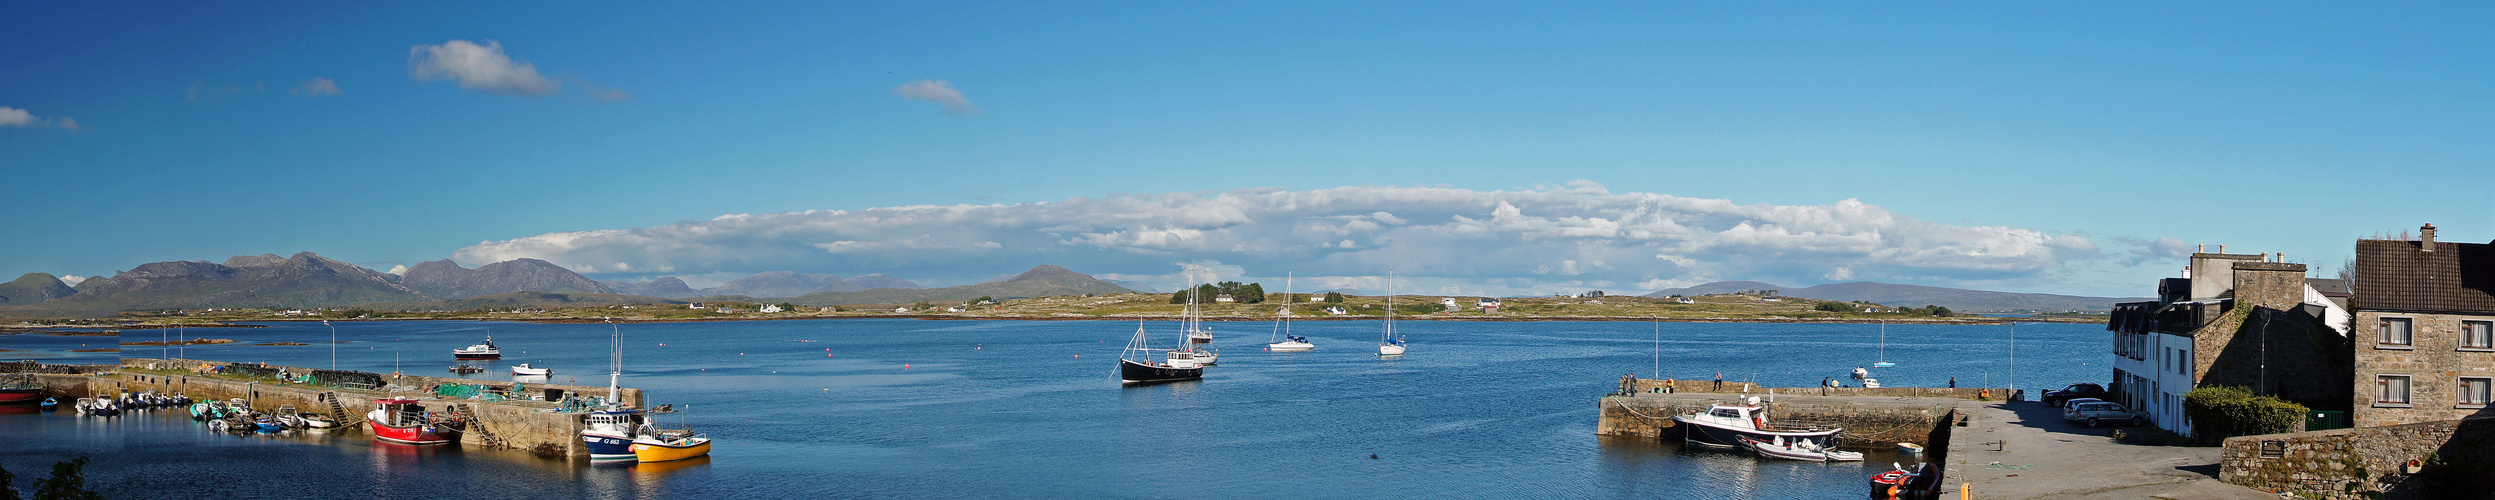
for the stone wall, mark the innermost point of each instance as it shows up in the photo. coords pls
(2433, 361)
(527, 425)
(1654, 386)
(2456, 460)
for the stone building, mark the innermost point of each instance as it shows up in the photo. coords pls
(2427, 346)
(2233, 319)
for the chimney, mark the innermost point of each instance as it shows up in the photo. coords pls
(2221, 248)
(2425, 237)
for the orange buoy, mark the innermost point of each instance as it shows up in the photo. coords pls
(905, 366)
(1078, 356)
(827, 355)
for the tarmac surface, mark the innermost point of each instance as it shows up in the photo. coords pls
(2021, 450)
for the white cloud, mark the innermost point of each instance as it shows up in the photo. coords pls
(316, 87)
(400, 269)
(478, 67)
(1570, 238)
(937, 91)
(13, 117)
(73, 280)
(2162, 249)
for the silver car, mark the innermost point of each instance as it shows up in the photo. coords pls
(2096, 413)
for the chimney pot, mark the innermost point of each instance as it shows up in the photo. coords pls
(2221, 248)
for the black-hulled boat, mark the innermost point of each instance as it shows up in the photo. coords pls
(1136, 365)
(486, 350)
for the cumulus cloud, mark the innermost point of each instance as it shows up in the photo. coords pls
(14, 117)
(2159, 250)
(316, 87)
(478, 67)
(1500, 241)
(937, 91)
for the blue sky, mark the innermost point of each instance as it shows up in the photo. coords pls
(2266, 127)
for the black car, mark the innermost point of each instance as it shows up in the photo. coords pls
(2055, 398)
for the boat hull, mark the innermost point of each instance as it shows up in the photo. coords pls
(607, 446)
(416, 434)
(1132, 372)
(1710, 434)
(1290, 346)
(1390, 350)
(654, 451)
(21, 396)
(476, 355)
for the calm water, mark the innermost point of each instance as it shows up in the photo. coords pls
(1013, 409)
(59, 349)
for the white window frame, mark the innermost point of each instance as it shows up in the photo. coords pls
(2408, 333)
(2382, 391)
(2477, 335)
(2463, 396)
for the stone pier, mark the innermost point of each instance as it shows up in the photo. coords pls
(518, 422)
(1869, 421)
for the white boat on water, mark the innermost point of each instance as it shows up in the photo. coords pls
(1390, 343)
(1799, 449)
(1193, 325)
(1723, 426)
(524, 370)
(1883, 361)
(1283, 340)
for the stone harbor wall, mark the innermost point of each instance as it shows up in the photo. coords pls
(2452, 459)
(1656, 386)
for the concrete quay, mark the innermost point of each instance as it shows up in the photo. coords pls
(533, 425)
(2023, 450)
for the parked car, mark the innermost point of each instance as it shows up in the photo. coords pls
(2096, 413)
(2056, 398)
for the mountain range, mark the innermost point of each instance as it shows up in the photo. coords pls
(308, 280)
(1956, 299)
(1040, 281)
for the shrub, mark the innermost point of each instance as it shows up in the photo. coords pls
(2220, 412)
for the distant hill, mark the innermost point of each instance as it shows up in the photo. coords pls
(444, 279)
(664, 287)
(1042, 281)
(34, 288)
(781, 284)
(1958, 299)
(879, 280)
(304, 280)
(519, 300)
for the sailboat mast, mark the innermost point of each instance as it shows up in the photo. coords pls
(615, 362)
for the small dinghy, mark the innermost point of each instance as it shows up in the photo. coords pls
(1799, 449)
(318, 421)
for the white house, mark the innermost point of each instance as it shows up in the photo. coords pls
(1487, 303)
(770, 308)
(1336, 310)
(900, 309)
(1451, 304)
(1684, 300)
(1224, 299)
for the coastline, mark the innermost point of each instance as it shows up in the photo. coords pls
(1981, 320)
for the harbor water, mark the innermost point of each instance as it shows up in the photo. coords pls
(1031, 409)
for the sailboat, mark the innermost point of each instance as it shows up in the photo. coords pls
(1388, 343)
(608, 432)
(1136, 366)
(1193, 324)
(1884, 347)
(1283, 340)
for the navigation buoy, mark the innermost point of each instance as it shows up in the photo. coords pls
(905, 366)
(1078, 356)
(827, 355)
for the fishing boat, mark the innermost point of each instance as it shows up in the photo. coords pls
(404, 421)
(21, 389)
(653, 444)
(1883, 361)
(1798, 449)
(1136, 366)
(1283, 340)
(1388, 342)
(479, 351)
(608, 432)
(524, 370)
(1723, 426)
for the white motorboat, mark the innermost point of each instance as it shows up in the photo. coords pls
(524, 370)
(1799, 449)
(1723, 426)
(1283, 340)
(486, 350)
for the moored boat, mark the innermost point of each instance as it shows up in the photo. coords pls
(404, 421)
(1798, 449)
(1136, 365)
(1723, 426)
(1388, 342)
(486, 350)
(1283, 340)
(524, 370)
(608, 433)
(653, 444)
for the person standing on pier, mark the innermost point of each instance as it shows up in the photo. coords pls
(1719, 382)
(1953, 382)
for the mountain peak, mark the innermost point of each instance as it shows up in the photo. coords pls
(448, 280)
(33, 288)
(1045, 271)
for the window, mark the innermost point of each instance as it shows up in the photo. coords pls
(2391, 390)
(2392, 331)
(2477, 334)
(2474, 391)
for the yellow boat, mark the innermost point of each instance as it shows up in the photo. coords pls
(658, 448)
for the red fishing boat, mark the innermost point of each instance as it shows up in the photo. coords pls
(20, 389)
(405, 421)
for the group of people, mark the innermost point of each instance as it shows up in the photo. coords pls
(1628, 385)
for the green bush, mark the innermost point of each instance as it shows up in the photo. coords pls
(2220, 412)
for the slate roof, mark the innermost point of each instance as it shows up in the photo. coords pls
(2395, 275)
